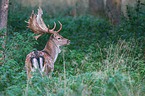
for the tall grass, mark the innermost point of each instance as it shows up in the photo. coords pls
(118, 75)
(100, 60)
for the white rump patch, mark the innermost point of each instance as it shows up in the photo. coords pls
(36, 64)
(41, 64)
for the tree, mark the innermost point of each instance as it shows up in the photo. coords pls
(96, 7)
(3, 25)
(114, 10)
(3, 13)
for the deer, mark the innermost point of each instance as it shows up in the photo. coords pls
(43, 60)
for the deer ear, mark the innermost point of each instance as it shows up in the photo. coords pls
(53, 35)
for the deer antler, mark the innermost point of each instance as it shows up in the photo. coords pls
(60, 26)
(37, 25)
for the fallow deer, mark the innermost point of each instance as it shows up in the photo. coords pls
(43, 60)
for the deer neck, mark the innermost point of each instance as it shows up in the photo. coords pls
(52, 49)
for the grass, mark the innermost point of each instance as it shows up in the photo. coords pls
(100, 61)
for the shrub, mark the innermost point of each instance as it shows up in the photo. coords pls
(100, 60)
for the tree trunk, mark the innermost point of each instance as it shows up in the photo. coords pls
(114, 10)
(3, 13)
(96, 7)
(3, 24)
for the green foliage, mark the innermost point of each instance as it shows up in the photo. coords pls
(100, 60)
(18, 44)
(90, 83)
(2, 43)
(86, 28)
(16, 51)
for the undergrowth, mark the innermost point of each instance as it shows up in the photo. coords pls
(101, 60)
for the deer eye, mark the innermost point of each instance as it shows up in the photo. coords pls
(58, 38)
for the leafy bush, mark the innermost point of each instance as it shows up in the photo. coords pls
(100, 60)
(16, 50)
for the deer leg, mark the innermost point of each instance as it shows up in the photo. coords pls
(28, 68)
